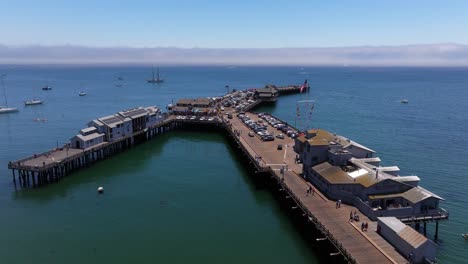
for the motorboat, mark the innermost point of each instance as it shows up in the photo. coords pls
(404, 101)
(47, 88)
(465, 236)
(33, 102)
(82, 94)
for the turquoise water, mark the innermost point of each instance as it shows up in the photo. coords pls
(185, 197)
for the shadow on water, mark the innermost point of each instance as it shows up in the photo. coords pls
(118, 165)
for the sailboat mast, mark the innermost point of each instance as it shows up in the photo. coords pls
(158, 73)
(153, 73)
(4, 89)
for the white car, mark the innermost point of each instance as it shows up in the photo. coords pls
(202, 118)
(211, 119)
(193, 118)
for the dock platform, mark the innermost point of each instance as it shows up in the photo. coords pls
(353, 244)
(280, 164)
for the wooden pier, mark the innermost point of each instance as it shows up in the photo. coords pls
(352, 244)
(279, 165)
(51, 166)
(292, 89)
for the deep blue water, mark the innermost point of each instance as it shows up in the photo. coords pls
(426, 137)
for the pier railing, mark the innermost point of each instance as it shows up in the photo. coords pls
(336, 243)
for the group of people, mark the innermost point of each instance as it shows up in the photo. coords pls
(364, 226)
(310, 190)
(338, 204)
(353, 216)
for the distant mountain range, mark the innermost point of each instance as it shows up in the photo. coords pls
(406, 55)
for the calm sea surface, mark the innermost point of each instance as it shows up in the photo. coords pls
(185, 197)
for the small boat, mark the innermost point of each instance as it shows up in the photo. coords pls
(33, 102)
(82, 94)
(156, 80)
(118, 85)
(5, 109)
(404, 101)
(120, 78)
(47, 88)
(465, 236)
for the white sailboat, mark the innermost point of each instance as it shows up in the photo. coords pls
(33, 101)
(5, 109)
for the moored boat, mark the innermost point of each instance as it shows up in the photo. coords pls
(33, 102)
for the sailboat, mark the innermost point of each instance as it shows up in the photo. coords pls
(5, 109)
(33, 101)
(157, 80)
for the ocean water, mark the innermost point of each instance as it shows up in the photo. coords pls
(185, 197)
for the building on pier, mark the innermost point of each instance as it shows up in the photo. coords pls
(267, 94)
(117, 126)
(198, 106)
(345, 170)
(87, 137)
(416, 247)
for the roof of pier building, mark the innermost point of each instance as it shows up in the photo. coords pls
(194, 102)
(358, 174)
(134, 112)
(320, 137)
(89, 137)
(413, 195)
(113, 120)
(88, 130)
(152, 109)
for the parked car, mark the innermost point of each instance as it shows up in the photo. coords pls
(280, 136)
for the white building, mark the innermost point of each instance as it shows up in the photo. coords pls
(115, 127)
(154, 117)
(406, 240)
(87, 138)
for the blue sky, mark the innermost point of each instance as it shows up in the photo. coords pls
(232, 24)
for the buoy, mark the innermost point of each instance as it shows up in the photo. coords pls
(100, 190)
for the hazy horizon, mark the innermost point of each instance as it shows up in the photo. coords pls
(444, 54)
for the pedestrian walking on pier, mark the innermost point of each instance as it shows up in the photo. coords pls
(339, 203)
(350, 216)
(362, 226)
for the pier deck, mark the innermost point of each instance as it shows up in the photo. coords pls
(357, 246)
(353, 244)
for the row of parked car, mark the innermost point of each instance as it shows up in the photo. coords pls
(256, 127)
(287, 130)
(239, 100)
(196, 118)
